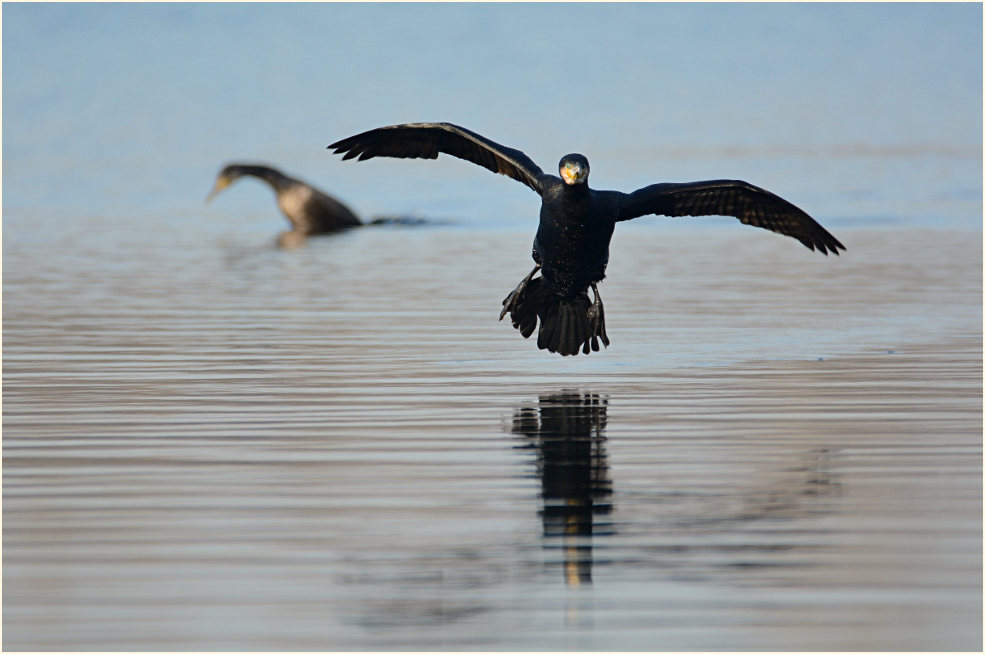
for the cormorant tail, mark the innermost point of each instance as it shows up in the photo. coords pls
(567, 324)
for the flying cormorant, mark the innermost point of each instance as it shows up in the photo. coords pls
(310, 211)
(571, 248)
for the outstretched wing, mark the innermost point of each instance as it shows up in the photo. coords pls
(427, 140)
(729, 197)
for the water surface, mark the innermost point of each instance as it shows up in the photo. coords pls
(212, 443)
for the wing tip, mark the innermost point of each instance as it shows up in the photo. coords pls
(833, 245)
(829, 247)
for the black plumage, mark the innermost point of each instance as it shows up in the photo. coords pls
(571, 248)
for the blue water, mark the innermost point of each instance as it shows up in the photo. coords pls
(213, 443)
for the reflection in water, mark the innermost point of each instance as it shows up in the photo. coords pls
(567, 430)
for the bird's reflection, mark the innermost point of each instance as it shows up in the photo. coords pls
(567, 433)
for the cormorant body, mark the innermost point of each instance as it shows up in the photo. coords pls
(571, 247)
(309, 210)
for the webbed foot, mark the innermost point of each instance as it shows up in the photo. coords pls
(596, 319)
(523, 314)
(512, 301)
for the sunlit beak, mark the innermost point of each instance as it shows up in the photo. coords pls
(220, 184)
(573, 174)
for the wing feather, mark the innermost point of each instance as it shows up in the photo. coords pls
(729, 197)
(428, 140)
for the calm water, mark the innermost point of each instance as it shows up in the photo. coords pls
(212, 443)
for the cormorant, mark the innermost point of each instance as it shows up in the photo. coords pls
(310, 211)
(571, 248)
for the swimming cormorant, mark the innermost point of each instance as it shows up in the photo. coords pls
(310, 211)
(571, 248)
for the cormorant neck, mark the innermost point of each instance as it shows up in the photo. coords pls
(576, 191)
(274, 177)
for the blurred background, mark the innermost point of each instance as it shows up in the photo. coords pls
(859, 112)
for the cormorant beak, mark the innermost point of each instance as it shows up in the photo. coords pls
(573, 173)
(220, 184)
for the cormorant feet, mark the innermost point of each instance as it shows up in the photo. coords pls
(523, 315)
(567, 324)
(596, 319)
(513, 300)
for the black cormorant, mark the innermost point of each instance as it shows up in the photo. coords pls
(310, 211)
(571, 248)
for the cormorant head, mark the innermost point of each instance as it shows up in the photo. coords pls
(227, 176)
(574, 169)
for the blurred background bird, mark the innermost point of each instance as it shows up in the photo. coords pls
(309, 210)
